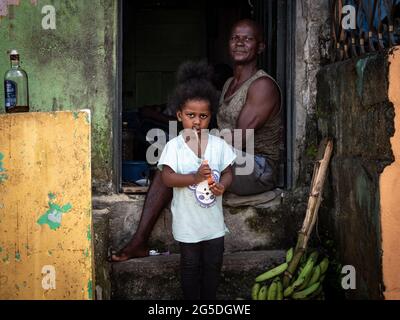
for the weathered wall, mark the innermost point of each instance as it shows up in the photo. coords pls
(353, 107)
(46, 248)
(70, 68)
(390, 188)
(311, 42)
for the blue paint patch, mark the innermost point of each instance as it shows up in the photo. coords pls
(53, 216)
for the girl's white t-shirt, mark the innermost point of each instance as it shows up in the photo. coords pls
(197, 214)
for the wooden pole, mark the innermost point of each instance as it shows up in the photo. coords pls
(314, 202)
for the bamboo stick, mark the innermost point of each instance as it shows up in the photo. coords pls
(314, 202)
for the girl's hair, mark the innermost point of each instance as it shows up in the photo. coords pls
(193, 83)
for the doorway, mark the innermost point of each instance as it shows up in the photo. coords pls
(156, 37)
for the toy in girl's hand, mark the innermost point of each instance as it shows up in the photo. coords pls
(210, 178)
(203, 193)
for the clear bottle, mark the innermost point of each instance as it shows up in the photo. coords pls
(16, 86)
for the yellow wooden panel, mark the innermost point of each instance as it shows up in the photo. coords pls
(46, 248)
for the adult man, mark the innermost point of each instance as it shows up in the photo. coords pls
(249, 100)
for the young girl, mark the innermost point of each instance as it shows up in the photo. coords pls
(198, 167)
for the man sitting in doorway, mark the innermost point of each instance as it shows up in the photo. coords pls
(251, 99)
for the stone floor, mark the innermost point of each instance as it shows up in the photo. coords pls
(254, 244)
(158, 277)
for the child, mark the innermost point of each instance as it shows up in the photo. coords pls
(198, 167)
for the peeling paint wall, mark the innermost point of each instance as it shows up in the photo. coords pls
(70, 68)
(46, 248)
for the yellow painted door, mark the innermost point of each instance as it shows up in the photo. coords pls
(46, 249)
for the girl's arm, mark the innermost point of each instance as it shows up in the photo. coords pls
(174, 180)
(218, 189)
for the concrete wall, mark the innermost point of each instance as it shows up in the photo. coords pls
(70, 68)
(311, 43)
(353, 107)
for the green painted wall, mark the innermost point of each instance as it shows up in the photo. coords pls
(72, 67)
(353, 107)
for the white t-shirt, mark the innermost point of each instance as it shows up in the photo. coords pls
(196, 213)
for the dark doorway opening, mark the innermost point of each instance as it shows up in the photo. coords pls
(157, 36)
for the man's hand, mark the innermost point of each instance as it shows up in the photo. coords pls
(217, 189)
(202, 173)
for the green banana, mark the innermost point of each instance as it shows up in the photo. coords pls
(324, 265)
(306, 281)
(262, 294)
(255, 290)
(303, 274)
(288, 291)
(313, 256)
(279, 290)
(289, 255)
(302, 264)
(315, 275)
(272, 291)
(316, 293)
(306, 292)
(272, 273)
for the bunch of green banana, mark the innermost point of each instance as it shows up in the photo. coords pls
(309, 282)
(306, 271)
(305, 284)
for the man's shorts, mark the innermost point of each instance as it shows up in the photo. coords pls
(263, 177)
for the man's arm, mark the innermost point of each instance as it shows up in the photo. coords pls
(263, 101)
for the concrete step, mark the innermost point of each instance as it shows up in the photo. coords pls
(101, 243)
(157, 277)
(250, 228)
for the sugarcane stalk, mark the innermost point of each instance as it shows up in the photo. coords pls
(314, 201)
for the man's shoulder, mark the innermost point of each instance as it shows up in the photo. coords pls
(264, 79)
(264, 85)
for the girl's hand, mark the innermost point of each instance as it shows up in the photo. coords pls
(202, 173)
(218, 189)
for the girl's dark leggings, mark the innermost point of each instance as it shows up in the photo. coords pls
(201, 265)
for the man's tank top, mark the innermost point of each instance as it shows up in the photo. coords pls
(268, 140)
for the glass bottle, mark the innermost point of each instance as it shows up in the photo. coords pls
(16, 86)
